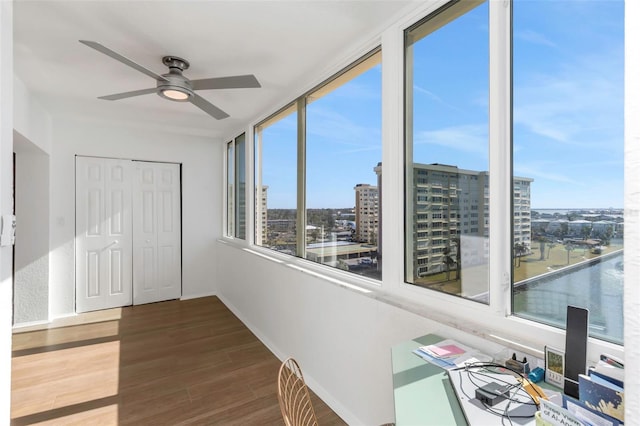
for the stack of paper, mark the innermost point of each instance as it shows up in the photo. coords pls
(443, 351)
(450, 354)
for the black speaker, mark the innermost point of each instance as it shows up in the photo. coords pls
(575, 358)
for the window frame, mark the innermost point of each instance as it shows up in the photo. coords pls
(495, 321)
(299, 105)
(229, 217)
(232, 223)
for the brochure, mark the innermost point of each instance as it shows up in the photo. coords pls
(450, 354)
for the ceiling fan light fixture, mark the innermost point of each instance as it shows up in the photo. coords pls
(174, 94)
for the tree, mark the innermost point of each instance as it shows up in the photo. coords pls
(448, 261)
(569, 248)
(456, 242)
(608, 234)
(543, 240)
(519, 249)
(564, 230)
(551, 246)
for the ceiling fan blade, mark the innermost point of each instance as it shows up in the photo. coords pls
(208, 107)
(128, 94)
(119, 57)
(232, 82)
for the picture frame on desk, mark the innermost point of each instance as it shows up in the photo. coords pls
(554, 362)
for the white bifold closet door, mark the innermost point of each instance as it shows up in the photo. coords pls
(156, 232)
(103, 234)
(127, 233)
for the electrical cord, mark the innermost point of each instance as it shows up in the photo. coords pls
(517, 386)
(496, 365)
(479, 379)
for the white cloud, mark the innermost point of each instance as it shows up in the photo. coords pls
(434, 97)
(579, 103)
(333, 127)
(466, 138)
(533, 37)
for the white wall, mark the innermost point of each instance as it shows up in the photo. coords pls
(32, 145)
(6, 205)
(632, 212)
(342, 339)
(201, 195)
(30, 119)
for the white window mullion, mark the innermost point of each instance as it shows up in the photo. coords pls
(392, 202)
(500, 217)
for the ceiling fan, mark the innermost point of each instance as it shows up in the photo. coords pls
(176, 87)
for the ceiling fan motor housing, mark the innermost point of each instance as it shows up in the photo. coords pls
(174, 79)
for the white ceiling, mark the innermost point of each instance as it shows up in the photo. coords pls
(283, 43)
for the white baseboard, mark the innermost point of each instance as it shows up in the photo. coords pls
(22, 326)
(196, 296)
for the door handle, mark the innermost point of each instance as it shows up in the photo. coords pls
(113, 243)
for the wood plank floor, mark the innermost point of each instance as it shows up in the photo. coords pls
(171, 363)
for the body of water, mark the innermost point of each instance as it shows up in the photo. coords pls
(597, 286)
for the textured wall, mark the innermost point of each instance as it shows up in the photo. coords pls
(31, 275)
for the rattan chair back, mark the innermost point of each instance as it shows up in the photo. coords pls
(294, 397)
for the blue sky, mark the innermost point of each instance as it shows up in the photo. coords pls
(567, 111)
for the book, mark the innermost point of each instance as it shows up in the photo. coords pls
(593, 373)
(610, 368)
(555, 415)
(602, 396)
(586, 414)
(604, 380)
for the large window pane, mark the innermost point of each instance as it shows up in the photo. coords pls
(568, 161)
(276, 178)
(447, 144)
(236, 187)
(343, 147)
(241, 184)
(231, 216)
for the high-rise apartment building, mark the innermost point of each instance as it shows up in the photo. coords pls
(448, 214)
(261, 217)
(367, 213)
(522, 210)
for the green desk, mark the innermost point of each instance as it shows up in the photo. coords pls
(421, 390)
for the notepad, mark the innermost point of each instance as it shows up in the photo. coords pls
(444, 349)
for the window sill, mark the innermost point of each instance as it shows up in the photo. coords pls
(516, 333)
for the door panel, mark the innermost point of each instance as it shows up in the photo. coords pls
(156, 237)
(103, 234)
